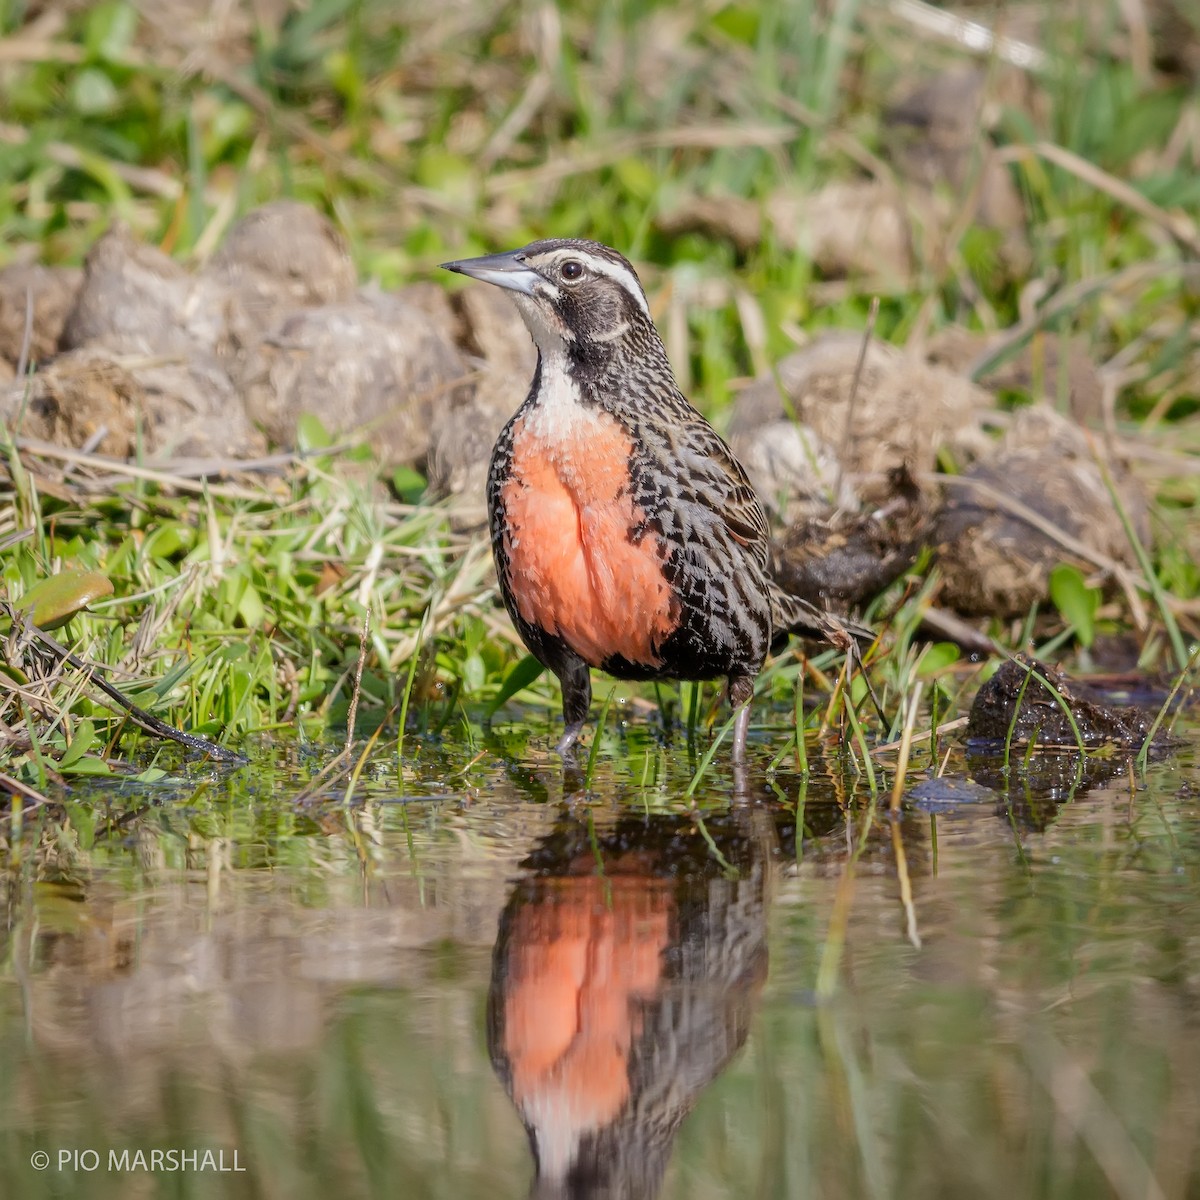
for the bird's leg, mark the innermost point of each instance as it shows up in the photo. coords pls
(740, 729)
(576, 680)
(741, 691)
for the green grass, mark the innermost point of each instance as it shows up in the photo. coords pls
(430, 134)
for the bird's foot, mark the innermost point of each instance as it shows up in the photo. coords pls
(566, 743)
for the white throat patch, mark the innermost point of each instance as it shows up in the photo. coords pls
(549, 335)
(560, 410)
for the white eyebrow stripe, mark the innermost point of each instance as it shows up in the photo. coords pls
(622, 274)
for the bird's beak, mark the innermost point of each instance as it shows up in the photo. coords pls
(504, 270)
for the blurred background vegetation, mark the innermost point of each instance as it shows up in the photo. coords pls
(434, 131)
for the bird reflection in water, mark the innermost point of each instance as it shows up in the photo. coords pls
(626, 971)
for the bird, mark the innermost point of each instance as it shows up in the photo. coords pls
(626, 534)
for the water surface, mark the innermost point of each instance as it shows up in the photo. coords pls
(479, 957)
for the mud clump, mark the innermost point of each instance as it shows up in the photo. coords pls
(163, 326)
(816, 440)
(843, 559)
(1039, 498)
(1016, 699)
(136, 300)
(374, 367)
(52, 291)
(902, 412)
(855, 228)
(858, 227)
(940, 141)
(279, 258)
(221, 361)
(500, 354)
(83, 398)
(1049, 367)
(796, 474)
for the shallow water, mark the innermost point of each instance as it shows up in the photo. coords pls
(390, 998)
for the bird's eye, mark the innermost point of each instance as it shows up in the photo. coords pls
(571, 270)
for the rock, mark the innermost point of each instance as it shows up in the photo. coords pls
(279, 258)
(374, 367)
(53, 290)
(948, 792)
(995, 562)
(904, 410)
(1044, 768)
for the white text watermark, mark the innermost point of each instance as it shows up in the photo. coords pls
(164, 1160)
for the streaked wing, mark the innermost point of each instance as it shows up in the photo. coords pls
(717, 480)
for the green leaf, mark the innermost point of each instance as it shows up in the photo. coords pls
(251, 608)
(89, 764)
(93, 93)
(84, 739)
(205, 825)
(149, 775)
(168, 540)
(474, 672)
(53, 602)
(311, 434)
(83, 821)
(521, 676)
(936, 659)
(110, 29)
(636, 177)
(1075, 600)
(451, 174)
(737, 22)
(409, 484)
(230, 653)
(342, 70)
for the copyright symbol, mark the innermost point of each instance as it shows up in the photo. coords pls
(39, 1160)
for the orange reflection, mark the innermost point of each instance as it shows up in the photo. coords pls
(584, 961)
(623, 980)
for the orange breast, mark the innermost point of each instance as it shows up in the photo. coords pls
(573, 570)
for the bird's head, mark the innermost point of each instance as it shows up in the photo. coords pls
(575, 296)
